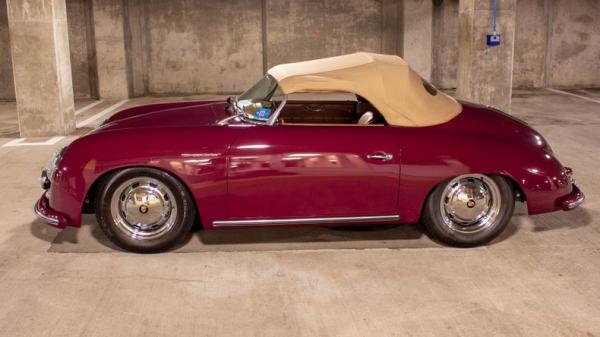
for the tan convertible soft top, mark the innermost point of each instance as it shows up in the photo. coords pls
(386, 81)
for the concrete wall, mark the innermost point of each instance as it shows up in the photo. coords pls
(484, 72)
(135, 44)
(530, 44)
(212, 46)
(228, 55)
(82, 58)
(39, 41)
(203, 46)
(445, 46)
(187, 47)
(7, 87)
(112, 58)
(557, 43)
(575, 44)
(418, 36)
(299, 30)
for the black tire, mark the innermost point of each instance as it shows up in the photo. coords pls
(180, 221)
(435, 224)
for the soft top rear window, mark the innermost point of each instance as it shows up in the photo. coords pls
(430, 88)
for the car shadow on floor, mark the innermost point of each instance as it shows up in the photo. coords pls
(90, 238)
(579, 217)
(310, 234)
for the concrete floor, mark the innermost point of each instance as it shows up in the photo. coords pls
(540, 278)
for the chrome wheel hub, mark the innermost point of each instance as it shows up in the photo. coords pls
(470, 203)
(143, 208)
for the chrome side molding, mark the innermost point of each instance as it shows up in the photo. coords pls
(297, 221)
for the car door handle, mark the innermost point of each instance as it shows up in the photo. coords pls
(379, 155)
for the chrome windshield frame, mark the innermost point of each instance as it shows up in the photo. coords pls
(271, 121)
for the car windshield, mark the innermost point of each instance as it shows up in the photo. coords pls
(257, 103)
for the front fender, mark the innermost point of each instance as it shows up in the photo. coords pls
(195, 155)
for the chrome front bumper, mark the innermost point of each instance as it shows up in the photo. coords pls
(43, 211)
(573, 200)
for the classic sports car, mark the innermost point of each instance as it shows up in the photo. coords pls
(371, 143)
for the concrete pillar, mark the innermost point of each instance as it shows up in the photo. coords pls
(7, 88)
(81, 43)
(418, 33)
(42, 67)
(136, 47)
(445, 44)
(392, 30)
(111, 56)
(485, 73)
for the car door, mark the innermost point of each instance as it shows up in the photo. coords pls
(311, 171)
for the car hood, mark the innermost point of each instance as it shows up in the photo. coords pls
(192, 113)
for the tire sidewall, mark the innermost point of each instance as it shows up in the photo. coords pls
(183, 221)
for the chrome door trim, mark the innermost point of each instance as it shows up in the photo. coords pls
(295, 221)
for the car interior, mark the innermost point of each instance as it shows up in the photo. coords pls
(329, 108)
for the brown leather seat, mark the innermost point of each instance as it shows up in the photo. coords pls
(366, 118)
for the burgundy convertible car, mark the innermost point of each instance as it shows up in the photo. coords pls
(354, 139)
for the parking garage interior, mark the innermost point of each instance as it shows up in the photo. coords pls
(67, 65)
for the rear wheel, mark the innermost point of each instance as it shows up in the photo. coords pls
(469, 210)
(144, 210)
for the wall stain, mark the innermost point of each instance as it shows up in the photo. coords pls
(569, 50)
(585, 18)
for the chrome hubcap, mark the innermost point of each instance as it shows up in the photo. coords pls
(470, 203)
(143, 208)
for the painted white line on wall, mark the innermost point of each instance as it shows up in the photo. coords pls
(21, 142)
(87, 107)
(100, 114)
(574, 95)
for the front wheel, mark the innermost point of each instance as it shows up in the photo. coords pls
(144, 210)
(469, 210)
